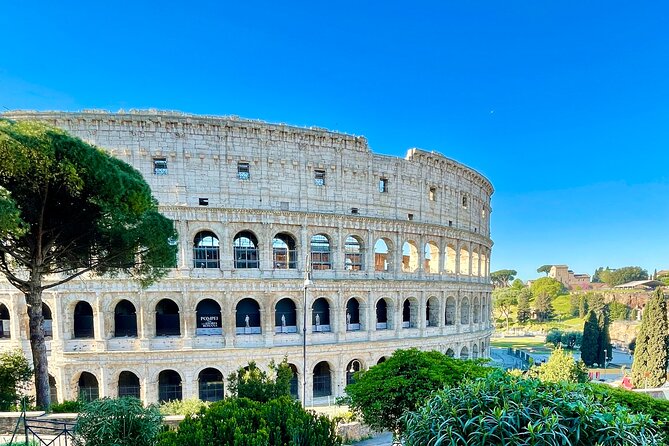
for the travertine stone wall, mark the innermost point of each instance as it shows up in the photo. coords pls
(449, 205)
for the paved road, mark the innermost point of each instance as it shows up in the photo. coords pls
(385, 439)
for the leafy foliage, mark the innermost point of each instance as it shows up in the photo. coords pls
(590, 342)
(502, 277)
(604, 348)
(595, 302)
(523, 313)
(382, 394)
(619, 311)
(627, 274)
(547, 286)
(118, 422)
(258, 385)
(189, 406)
(506, 410)
(544, 269)
(503, 300)
(67, 406)
(15, 376)
(241, 421)
(543, 307)
(561, 366)
(649, 368)
(567, 339)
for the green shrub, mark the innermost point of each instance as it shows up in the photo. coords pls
(561, 366)
(505, 410)
(189, 406)
(254, 383)
(241, 421)
(66, 407)
(15, 376)
(118, 422)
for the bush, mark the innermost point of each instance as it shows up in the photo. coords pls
(241, 421)
(189, 406)
(561, 366)
(15, 375)
(67, 407)
(118, 422)
(256, 384)
(505, 410)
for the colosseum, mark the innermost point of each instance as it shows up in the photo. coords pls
(395, 252)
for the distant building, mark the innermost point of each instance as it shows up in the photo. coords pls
(564, 275)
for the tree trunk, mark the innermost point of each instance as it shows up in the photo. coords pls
(38, 347)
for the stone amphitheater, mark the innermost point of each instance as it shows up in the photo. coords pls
(396, 253)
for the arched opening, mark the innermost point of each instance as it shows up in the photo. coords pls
(464, 353)
(432, 312)
(83, 320)
(167, 318)
(409, 257)
(476, 310)
(47, 323)
(320, 315)
(450, 310)
(5, 331)
(88, 387)
(125, 319)
(246, 250)
(464, 311)
(322, 380)
(484, 263)
(284, 251)
(206, 253)
(320, 252)
(382, 254)
(128, 385)
(208, 318)
(285, 316)
(353, 315)
(431, 258)
(451, 256)
(381, 359)
(464, 261)
(484, 309)
(475, 351)
(351, 369)
(353, 253)
(210, 384)
(475, 263)
(382, 315)
(294, 392)
(247, 319)
(410, 313)
(450, 353)
(169, 386)
(53, 389)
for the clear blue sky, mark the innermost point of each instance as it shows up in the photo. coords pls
(564, 106)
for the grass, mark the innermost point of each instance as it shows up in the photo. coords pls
(532, 344)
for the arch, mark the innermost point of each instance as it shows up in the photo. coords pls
(320, 315)
(284, 251)
(169, 386)
(410, 313)
(128, 384)
(464, 353)
(409, 256)
(432, 312)
(206, 250)
(475, 351)
(208, 320)
(47, 323)
(125, 319)
(484, 264)
(320, 252)
(450, 353)
(354, 253)
(210, 385)
(450, 310)
(352, 368)
(381, 359)
(451, 256)
(294, 392)
(353, 315)
(247, 319)
(88, 388)
(476, 310)
(53, 389)
(432, 258)
(484, 309)
(245, 246)
(475, 262)
(167, 318)
(285, 316)
(383, 255)
(464, 311)
(382, 322)
(322, 380)
(83, 320)
(464, 261)
(5, 331)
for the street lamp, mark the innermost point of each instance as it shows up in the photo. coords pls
(307, 284)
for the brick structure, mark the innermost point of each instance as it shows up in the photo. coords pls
(399, 251)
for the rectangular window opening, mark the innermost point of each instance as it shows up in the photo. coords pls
(319, 177)
(160, 166)
(383, 185)
(243, 171)
(409, 216)
(433, 193)
(204, 201)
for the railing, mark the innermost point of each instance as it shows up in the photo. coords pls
(42, 432)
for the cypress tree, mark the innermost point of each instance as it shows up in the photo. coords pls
(523, 306)
(590, 342)
(649, 368)
(604, 350)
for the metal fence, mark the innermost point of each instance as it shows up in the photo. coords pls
(42, 432)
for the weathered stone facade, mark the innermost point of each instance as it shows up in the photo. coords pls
(251, 201)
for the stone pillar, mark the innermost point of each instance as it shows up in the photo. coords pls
(228, 320)
(369, 266)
